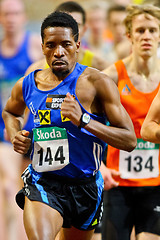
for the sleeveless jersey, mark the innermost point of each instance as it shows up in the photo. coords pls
(83, 150)
(13, 68)
(87, 60)
(141, 166)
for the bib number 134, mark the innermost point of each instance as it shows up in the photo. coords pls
(50, 149)
(143, 162)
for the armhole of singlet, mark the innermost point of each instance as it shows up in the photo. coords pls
(121, 70)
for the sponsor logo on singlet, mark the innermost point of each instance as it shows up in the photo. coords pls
(44, 116)
(64, 119)
(33, 111)
(54, 101)
(126, 90)
(43, 134)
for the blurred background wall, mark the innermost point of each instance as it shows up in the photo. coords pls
(37, 10)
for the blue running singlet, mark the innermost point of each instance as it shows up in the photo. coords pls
(56, 139)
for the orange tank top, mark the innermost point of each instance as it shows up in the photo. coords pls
(141, 167)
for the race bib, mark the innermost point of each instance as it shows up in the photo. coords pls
(142, 162)
(51, 150)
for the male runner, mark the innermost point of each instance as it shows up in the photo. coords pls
(70, 104)
(135, 201)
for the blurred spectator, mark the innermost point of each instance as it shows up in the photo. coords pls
(94, 37)
(106, 35)
(121, 46)
(18, 49)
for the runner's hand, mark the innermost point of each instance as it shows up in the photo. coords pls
(108, 175)
(21, 142)
(71, 109)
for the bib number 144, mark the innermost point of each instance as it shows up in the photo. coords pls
(59, 156)
(51, 150)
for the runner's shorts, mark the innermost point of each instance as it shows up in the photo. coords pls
(79, 201)
(126, 207)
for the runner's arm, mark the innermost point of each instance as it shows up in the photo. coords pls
(150, 130)
(12, 114)
(121, 132)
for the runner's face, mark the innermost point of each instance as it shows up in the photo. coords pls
(60, 50)
(145, 35)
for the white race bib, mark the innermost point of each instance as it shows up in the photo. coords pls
(51, 150)
(142, 162)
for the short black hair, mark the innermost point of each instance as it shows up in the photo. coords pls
(70, 7)
(60, 19)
